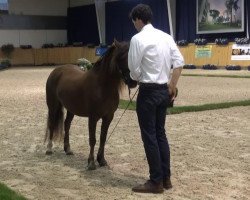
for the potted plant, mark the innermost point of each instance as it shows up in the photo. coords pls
(182, 42)
(84, 64)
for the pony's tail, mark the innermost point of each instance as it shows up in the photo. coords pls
(54, 128)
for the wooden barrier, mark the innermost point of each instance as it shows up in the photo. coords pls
(65, 55)
(90, 54)
(188, 53)
(22, 57)
(74, 53)
(220, 56)
(45, 56)
(41, 56)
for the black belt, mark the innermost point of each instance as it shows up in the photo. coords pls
(154, 85)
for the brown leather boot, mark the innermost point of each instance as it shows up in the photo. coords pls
(167, 183)
(149, 187)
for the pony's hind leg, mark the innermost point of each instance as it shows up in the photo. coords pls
(50, 130)
(54, 125)
(67, 124)
(50, 144)
(92, 141)
(104, 130)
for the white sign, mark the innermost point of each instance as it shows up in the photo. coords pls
(240, 52)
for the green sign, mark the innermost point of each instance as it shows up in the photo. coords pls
(203, 51)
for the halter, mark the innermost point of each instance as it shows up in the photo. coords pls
(127, 79)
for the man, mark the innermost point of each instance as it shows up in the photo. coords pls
(151, 55)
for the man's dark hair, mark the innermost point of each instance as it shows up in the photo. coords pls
(142, 12)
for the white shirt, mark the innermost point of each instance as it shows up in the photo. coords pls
(151, 55)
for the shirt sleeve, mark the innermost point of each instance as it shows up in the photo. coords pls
(177, 58)
(134, 59)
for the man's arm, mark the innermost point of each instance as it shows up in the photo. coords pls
(134, 59)
(178, 63)
(173, 82)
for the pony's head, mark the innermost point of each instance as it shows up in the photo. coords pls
(120, 59)
(115, 63)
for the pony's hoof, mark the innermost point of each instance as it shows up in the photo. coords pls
(103, 163)
(48, 152)
(68, 153)
(91, 166)
(101, 160)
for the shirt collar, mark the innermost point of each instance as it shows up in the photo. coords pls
(147, 27)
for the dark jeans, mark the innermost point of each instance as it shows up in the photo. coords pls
(151, 108)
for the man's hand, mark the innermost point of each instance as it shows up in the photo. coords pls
(173, 91)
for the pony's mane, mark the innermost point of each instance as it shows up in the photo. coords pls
(121, 52)
(108, 62)
(110, 57)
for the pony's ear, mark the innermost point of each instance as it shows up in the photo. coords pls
(116, 43)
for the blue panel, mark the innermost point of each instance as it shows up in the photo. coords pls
(120, 27)
(82, 25)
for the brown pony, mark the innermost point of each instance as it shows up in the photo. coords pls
(93, 94)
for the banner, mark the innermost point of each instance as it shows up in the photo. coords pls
(100, 51)
(203, 51)
(240, 52)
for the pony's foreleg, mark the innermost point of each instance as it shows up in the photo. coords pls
(49, 147)
(92, 142)
(104, 130)
(67, 124)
